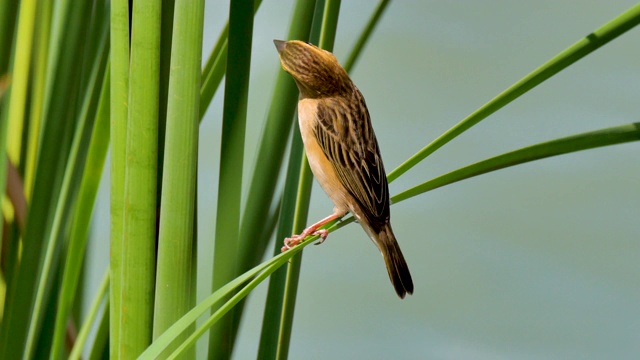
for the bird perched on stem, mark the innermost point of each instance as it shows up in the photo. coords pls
(342, 151)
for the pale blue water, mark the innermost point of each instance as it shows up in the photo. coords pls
(538, 261)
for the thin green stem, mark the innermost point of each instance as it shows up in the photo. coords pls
(20, 80)
(585, 141)
(365, 35)
(293, 269)
(326, 41)
(573, 53)
(231, 164)
(270, 154)
(12, 114)
(100, 297)
(277, 281)
(8, 18)
(216, 66)
(263, 270)
(228, 306)
(41, 51)
(275, 295)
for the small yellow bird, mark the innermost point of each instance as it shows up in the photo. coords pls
(342, 151)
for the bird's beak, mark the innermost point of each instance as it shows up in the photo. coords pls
(280, 45)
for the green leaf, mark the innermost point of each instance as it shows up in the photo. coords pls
(161, 344)
(216, 66)
(119, 88)
(232, 144)
(176, 235)
(101, 297)
(70, 31)
(270, 153)
(139, 230)
(326, 41)
(589, 140)
(610, 136)
(564, 59)
(97, 153)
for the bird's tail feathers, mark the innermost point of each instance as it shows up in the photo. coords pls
(394, 260)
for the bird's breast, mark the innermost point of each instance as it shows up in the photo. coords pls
(320, 165)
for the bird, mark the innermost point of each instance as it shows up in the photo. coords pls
(342, 151)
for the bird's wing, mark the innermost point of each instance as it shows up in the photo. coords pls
(345, 134)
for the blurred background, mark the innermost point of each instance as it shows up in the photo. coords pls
(535, 261)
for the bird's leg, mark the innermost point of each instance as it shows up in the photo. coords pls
(312, 230)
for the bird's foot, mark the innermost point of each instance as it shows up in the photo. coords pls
(323, 235)
(312, 230)
(292, 241)
(297, 239)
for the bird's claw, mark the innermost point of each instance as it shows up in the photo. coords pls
(297, 239)
(292, 241)
(323, 236)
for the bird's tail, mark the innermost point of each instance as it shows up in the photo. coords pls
(396, 265)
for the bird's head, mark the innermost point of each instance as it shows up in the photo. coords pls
(316, 71)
